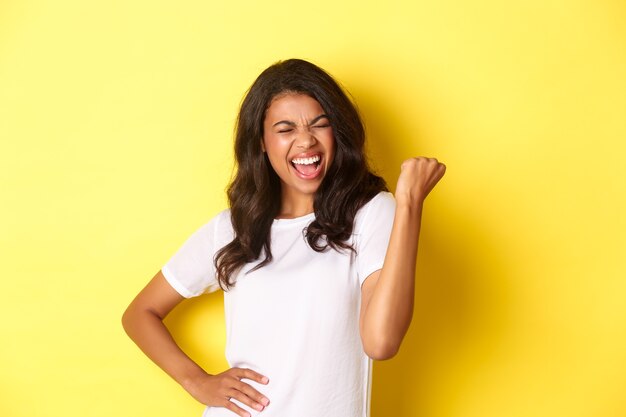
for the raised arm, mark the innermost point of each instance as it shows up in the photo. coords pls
(387, 294)
(143, 322)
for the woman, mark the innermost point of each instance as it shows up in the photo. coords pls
(315, 257)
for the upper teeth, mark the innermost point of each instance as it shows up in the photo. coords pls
(306, 161)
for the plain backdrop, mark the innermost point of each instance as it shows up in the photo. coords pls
(116, 126)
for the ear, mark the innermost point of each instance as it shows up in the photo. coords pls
(262, 145)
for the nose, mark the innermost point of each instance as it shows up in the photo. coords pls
(305, 139)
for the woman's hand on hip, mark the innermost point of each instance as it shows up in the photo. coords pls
(217, 390)
(418, 176)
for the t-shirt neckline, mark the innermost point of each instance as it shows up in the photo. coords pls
(281, 222)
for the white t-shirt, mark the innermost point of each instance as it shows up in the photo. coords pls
(295, 320)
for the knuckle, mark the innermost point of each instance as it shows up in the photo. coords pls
(408, 163)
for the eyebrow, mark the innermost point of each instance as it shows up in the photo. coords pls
(312, 122)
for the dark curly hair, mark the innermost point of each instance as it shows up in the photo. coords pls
(254, 193)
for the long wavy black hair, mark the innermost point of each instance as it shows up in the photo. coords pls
(255, 191)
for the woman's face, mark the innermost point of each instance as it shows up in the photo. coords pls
(299, 143)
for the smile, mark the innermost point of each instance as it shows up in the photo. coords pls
(307, 168)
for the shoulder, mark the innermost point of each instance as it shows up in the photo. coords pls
(381, 207)
(222, 219)
(382, 202)
(383, 198)
(222, 222)
(217, 228)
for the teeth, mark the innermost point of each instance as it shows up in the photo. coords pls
(306, 161)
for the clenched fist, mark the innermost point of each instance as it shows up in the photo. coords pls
(418, 176)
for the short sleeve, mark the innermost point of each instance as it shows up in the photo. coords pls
(373, 229)
(191, 271)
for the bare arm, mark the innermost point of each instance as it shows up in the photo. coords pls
(387, 295)
(143, 322)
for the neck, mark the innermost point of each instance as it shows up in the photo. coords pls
(292, 206)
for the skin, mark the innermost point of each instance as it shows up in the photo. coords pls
(294, 127)
(143, 322)
(387, 294)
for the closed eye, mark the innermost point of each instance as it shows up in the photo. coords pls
(324, 125)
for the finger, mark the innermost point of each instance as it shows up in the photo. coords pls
(244, 399)
(236, 409)
(252, 375)
(252, 393)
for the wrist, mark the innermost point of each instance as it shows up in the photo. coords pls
(191, 382)
(408, 202)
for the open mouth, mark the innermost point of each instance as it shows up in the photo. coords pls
(307, 167)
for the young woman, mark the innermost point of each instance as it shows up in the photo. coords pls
(315, 257)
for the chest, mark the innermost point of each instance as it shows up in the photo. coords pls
(298, 281)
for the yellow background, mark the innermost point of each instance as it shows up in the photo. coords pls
(116, 125)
